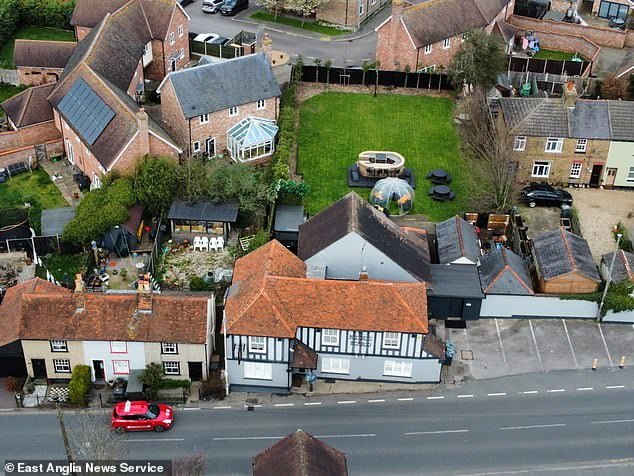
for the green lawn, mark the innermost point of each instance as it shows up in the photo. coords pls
(310, 26)
(35, 188)
(554, 55)
(63, 267)
(7, 91)
(32, 33)
(336, 127)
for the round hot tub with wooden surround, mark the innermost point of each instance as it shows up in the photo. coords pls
(379, 164)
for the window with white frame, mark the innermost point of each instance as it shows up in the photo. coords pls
(171, 38)
(181, 53)
(575, 169)
(554, 145)
(330, 337)
(372, 2)
(261, 104)
(541, 168)
(391, 340)
(118, 347)
(204, 118)
(61, 366)
(397, 368)
(258, 370)
(630, 175)
(519, 144)
(257, 344)
(233, 111)
(169, 348)
(121, 367)
(181, 30)
(96, 182)
(335, 365)
(172, 368)
(427, 49)
(70, 152)
(361, 9)
(582, 145)
(446, 43)
(196, 146)
(59, 346)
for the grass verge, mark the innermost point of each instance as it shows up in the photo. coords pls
(309, 26)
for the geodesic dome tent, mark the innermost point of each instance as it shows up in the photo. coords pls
(393, 195)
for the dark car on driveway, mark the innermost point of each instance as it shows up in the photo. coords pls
(544, 194)
(231, 7)
(184, 3)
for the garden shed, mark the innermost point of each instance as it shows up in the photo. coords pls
(54, 220)
(564, 263)
(252, 138)
(204, 217)
(288, 218)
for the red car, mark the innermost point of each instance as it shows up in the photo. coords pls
(141, 416)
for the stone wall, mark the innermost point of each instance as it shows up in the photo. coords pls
(28, 136)
(23, 154)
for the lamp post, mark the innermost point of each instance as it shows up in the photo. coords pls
(608, 281)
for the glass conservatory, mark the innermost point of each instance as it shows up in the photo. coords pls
(252, 138)
(392, 195)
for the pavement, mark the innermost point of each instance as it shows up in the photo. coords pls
(568, 423)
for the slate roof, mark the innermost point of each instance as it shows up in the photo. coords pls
(88, 13)
(204, 211)
(588, 119)
(353, 214)
(216, 87)
(434, 20)
(559, 252)
(457, 238)
(270, 296)
(623, 266)
(455, 280)
(41, 310)
(29, 107)
(54, 220)
(504, 272)
(38, 53)
(300, 454)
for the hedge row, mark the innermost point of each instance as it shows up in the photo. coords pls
(79, 384)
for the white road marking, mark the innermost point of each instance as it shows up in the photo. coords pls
(435, 398)
(616, 386)
(405, 399)
(572, 351)
(222, 408)
(605, 345)
(312, 403)
(438, 432)
(470, 395)
(360, 435)
(191, 408)
(541, 364)
(376, 401)
(529, 427)
(143, 440)
(254, 406)
(497, 327)
(501, 394)
(556, 390)
(582, 389)
(529, 392)
(284, 405)
(610, 421)
(346, 402)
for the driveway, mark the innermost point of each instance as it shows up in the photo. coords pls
(348, 50)
(491, 348)
(599, 210)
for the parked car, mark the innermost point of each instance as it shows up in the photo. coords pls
(220, 41)
(544, 194)
(184, 3)
(141, 416)
(212, 6)
(205, 37)
(231, 7)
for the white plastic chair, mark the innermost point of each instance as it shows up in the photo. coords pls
(205, 244)
(221, 243)
(198, 242)
(213, 244)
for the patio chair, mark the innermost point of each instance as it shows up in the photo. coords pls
(198, 242)
(213, 243)
(221, 243)
(205, 244)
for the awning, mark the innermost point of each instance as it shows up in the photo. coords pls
(303, 357)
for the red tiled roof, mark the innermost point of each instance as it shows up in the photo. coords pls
(271, 296)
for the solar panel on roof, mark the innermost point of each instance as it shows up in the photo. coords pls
(85, 111)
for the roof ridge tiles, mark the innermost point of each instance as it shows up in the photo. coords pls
(571, 259)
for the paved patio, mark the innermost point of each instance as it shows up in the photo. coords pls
(62, 176)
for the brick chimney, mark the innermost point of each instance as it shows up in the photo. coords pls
(79, 296)
(144, 134)
(395, 28)
(363, 275)
(144, 294)
(570, 94)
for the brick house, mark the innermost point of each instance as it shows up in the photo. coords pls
(41, 62)
(29, 124)
(568, 142)
(427, 35)
(200, 105)
(349, 13)
(57, 329)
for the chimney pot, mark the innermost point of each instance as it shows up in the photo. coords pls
(144, 294)
(79, 296)
(363, 275)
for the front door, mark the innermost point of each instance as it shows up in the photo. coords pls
(39, 368)
(595, 177)
(97, 366)
(195, 371)
(610, 177)
(210, 146)
(173, 64)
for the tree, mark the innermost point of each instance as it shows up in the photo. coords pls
(365, 67)
(79, 385)
(317, 62)
(479, 61)
(151, 377)
(328, 65)
(377, 65)
(487, 148)
(613, 87)
(305, 7)
(155, 183)
(190, 465)
(9, 17)
(90, 439)
(630, 87)
(273, 6)
(408, 69)
(192, 180)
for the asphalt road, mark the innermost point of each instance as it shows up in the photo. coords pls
(340, 51)
(569, 423)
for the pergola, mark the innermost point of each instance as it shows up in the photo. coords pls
(251, 138)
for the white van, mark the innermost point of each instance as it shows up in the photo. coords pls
(212, 6)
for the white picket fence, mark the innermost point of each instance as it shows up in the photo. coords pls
(9, 76)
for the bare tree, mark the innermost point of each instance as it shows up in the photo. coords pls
(90, 438)
(487, 148)
(191, 465)
(613, 87)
